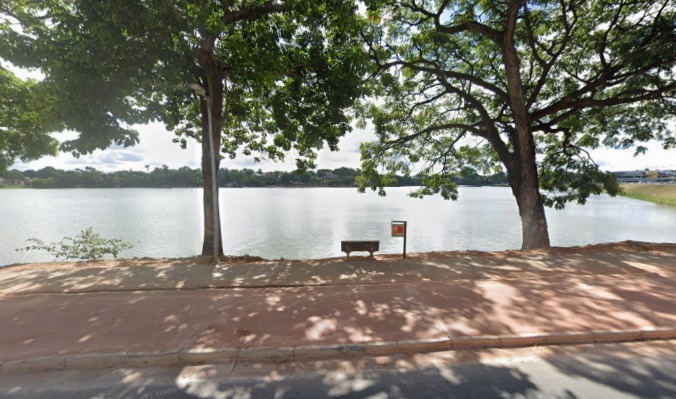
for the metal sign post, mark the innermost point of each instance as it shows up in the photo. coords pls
(399, 230)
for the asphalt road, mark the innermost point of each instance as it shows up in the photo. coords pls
(631, 370)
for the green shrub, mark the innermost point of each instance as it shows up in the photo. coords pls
(86, 245)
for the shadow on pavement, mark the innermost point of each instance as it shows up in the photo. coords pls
(194, 273)
(164, 321)
(640, 370)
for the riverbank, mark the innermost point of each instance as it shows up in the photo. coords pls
(444, 265)
(664, 194)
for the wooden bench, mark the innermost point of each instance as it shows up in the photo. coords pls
(367, 246)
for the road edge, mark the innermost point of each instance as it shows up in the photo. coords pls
(190, 357)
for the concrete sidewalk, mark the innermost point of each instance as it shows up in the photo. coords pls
(173, 312)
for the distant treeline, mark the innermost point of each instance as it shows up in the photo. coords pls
(164, 177)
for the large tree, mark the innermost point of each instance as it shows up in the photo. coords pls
(280, 76)
(530, 86)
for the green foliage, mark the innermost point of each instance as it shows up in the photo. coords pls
(292, 79)
(25, 120)
(587, 74)
(99, 79)
(185, 177)
(281, 75)
(86, 245)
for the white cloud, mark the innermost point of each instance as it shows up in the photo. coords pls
(155, 149)
(109, 159)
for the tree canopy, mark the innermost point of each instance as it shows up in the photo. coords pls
(528, 86)
(279, 76)
(26, 120)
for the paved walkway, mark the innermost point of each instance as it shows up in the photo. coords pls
(180, 312)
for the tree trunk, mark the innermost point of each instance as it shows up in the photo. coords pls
(207, 199)
(523, 177)
(524, 183)
(207, 179)
(212, 82)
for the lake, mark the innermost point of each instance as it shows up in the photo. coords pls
(295, 223)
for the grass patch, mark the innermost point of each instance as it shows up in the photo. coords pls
(12, 186)
(664, 194)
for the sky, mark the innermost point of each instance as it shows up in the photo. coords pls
(156, 149)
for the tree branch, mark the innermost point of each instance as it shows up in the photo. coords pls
(574, 107)
(488, 130)
(471, 26)
(575, 101)
(431, 129)
(547, 66)
(436, 70)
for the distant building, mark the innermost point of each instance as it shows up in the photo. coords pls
(635, 176)
(643, 176)
(666, 176)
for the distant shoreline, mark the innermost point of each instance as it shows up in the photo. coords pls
(185, 177)
(19, 187)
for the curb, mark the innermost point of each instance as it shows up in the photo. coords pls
(319, 352)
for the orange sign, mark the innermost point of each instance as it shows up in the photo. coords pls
(398, 229)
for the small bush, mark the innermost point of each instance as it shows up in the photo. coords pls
(86, 245)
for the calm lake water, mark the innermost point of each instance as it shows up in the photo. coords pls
(295, 223)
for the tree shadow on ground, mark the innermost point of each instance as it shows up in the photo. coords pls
(625, 291)
(628, 368)
(384, 377)
(639, 370)
(194, 273)
(171, 319)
